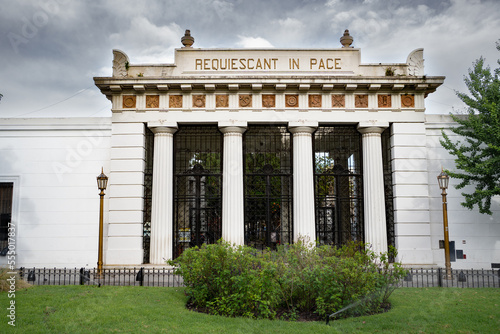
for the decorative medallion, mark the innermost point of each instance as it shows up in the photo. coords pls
(338, 101)
(408, 101)
(268, 101)
(129, 101)
(245, 101)
(384, 101)
(152, 101)
(291, 101)
(314, 101)
(222, 101)
(199, 101)
(175, 101)
(361, 101)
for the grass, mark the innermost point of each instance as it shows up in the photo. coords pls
(88, 309)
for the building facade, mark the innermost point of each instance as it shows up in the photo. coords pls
(258, 147)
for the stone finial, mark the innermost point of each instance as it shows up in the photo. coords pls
(187, 40)
(346, 40)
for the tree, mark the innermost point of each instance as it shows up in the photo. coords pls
(477, 156)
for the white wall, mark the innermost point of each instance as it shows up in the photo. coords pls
(56, 202)
(478, 235)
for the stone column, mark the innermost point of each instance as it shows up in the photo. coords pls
(233, 226)
(304, 223)
(373, 187)
(162, 195)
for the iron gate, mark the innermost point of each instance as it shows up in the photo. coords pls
(148, 192)
(389, 195)
(197, 186)
(338, 185)
(268, 186)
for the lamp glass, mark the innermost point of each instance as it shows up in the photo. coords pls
(102, 181)
(443, 180)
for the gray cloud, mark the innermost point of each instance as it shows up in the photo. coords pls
(51, 49)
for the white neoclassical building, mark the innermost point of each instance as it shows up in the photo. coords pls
(258, 147)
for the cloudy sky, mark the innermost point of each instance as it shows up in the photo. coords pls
(51, 49)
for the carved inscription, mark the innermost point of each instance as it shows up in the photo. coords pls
(291, 101)
(216, 64)
(314, 101)
(175, 101)
(338, 101)
(245, 101)
(384, 101)
(361, 101)
(199, 101)
(129, 101)
(268, 101)
(252, 64)
(408, 101)
(152, 101)
(221, 101)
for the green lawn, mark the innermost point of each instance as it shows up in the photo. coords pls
(88, 309)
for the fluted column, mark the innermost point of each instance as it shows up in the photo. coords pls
(373, 188)
(304, 224)
(162, 201)
(233, 229)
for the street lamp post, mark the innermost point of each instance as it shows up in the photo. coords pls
(443, 180)
(102, 181)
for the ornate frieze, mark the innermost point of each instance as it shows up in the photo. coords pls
(268, 101)
(128, 101)
(315, 101)
(222, 101)
(384, 101)
(361, 101)
(152, 101)
(175, 101)
(408, 101)
(199, 101)
(338, 101)
(245, 101)
(291, 101)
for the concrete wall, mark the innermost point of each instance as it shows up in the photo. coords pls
(54, 164)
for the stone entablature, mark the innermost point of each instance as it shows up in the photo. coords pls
(330, 80)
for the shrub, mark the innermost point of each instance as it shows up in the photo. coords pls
(299, 278)
(5, 280)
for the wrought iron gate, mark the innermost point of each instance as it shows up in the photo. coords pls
(148, 191)
(338, 185)
(197, 186)
(268, 186)
(389, 196)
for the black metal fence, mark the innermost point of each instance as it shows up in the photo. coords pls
(165, 277)
(437, 277)
(123, 276)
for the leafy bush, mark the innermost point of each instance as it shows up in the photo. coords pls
(299, 278)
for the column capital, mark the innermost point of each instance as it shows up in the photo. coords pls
(233, 126)
(302, 126)
(372, 127)
(163, 127)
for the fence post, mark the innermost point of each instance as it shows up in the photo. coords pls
(440, 278)
(140, 276)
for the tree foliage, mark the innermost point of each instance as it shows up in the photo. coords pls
(477, 154)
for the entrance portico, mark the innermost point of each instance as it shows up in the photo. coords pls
(268, 106)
